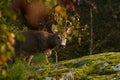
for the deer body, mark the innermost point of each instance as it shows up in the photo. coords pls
(41, 41)
(37, 41)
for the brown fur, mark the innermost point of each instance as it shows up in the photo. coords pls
(36, 41)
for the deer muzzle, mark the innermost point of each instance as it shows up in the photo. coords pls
(62, 46)
(63, 43)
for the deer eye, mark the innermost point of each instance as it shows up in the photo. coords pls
(58, 38)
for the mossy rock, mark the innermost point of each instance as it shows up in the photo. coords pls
(93, 67)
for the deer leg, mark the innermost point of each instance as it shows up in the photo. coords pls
(46, 58)
(48, 52)
(29, 59)
(56, 56)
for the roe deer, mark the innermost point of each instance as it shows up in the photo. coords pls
(40, 41)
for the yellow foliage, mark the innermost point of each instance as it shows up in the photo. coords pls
(14, 17)
(11, 37)
(61, 10)
(4, 73)
(0, 14)
(8, 45)
(3, 58)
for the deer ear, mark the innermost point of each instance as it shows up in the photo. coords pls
(69, 30)
(54, 30)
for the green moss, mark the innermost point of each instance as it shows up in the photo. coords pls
(93, 66)
(79, 73)
(89, 68)
(97, 77)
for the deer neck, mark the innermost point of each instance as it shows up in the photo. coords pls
(51, 40)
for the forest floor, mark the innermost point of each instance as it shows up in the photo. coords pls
(102, 66)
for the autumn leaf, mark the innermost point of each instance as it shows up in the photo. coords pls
(0, 14)
(14, 17)
(58, 9)
(3, 59)
(61, 10)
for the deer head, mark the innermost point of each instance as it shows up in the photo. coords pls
(62, 35)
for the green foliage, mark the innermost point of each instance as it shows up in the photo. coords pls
(20, 37)
(39, 59)
(6, 36)
(19, 71)
(6, 15)
(6, 42)
(51, 3)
